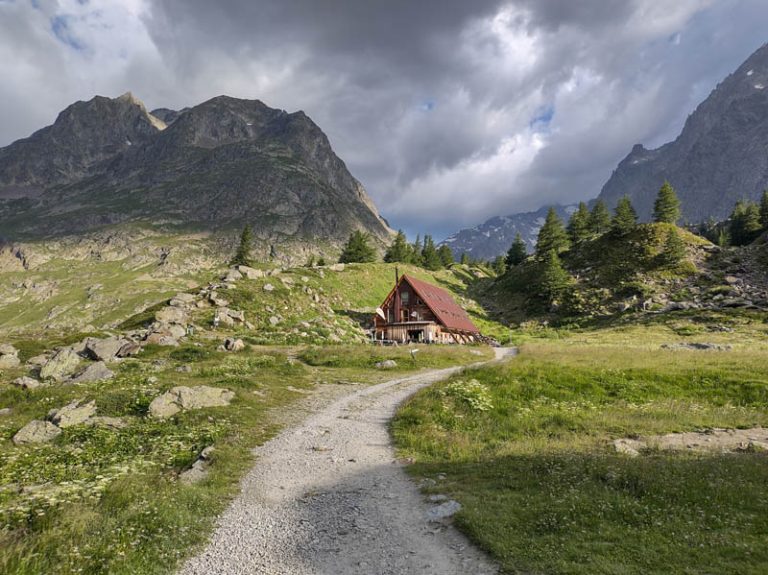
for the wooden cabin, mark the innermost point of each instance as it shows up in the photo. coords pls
(418, 311)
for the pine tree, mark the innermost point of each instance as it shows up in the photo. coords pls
(243, 254)
(666, 208)
(398, 251)
(673, 251)
(552, 236)
(358, 249)
(429, 257)
(578, 225)
(723, 239)
(599, 218)
(553, 279)
(499, 265)
(745, 223)
(517, 253)
(764, 210)
(446, 255)
(464, 259)
(624, 217)
(416, 248)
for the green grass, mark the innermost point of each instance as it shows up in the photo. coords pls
(526, 450)
(108, 501)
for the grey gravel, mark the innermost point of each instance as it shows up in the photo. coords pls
(328, 497)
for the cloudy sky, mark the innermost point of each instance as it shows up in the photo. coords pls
(448, 111)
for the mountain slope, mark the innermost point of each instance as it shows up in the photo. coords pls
(493, 237)
(217, 165)
(720, 157)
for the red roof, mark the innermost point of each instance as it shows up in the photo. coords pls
(450, 314)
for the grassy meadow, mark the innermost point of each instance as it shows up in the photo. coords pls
(526, 448)
(100, 500)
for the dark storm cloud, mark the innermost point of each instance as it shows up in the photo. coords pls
(448, 111)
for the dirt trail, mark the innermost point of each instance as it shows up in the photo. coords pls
(327, 498)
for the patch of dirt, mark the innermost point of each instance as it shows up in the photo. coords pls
(713, 440)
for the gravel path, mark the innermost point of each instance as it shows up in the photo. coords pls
(327, 497)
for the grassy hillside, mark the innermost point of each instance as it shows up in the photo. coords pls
(526, 448)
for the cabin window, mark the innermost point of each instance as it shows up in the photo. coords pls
(418, 301)
(404, 296)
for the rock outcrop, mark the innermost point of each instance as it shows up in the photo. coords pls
(185, 398)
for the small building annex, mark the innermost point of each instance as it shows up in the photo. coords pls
(418, 311)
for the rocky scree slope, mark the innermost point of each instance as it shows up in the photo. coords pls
(217, 165)
(720, 157)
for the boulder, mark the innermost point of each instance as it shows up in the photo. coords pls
(162, 339)
(231, 344)
(9, 361)
(232, 275)
(27, 382)
(183, 397)
(336, 267)
(36, 431)
(61, 365)
(386, 364)
(8, 349)
(250, 272)
(170, 315)
(128, 349)
(104, 349)
(95, 372)
(222, 317)
(218, 301)
(73, 413)
(182, 300)
(38, 360)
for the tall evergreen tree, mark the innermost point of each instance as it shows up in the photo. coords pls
(517, 253)
(464, 259)
(416, 248)
(745, 223)
(624, 217)
(578, 225)
(764, 210)
(243, 254)
(446, 255)
(666, 208)
(429, 257)
(553, 279)
(673, 251)
(552, 236)
(398, 251)
(358, 249)
(599, 218)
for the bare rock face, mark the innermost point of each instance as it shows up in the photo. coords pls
(720, 157)
(74, 413)
(281, 174)
(61, 366)
(184, 398)
(36, 432)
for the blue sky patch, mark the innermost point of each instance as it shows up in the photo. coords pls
(543, 118)
(60, 26)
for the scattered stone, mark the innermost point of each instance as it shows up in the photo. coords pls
(443, 511)
(274, 320)
(386, 364)
(61, 365)
(38, 360)
(732, 280)
(107, 422)
(73, 413)
(8, 349)
(231, 344)
(5, 411)
(250, 272)
(128, 349)
(95, 372)
(630, 447)
(182, 300)
(104, 349)
(27, 382)
(184, 369)
(182, 397)
(237, 315)
(221, 317)
(336, 267)
(218, 301)
(697, 346)
(36, 431)
(232, 275)
(162, 339)
(9, 361)
(199, 469)
(268, 287)
(171, 315)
